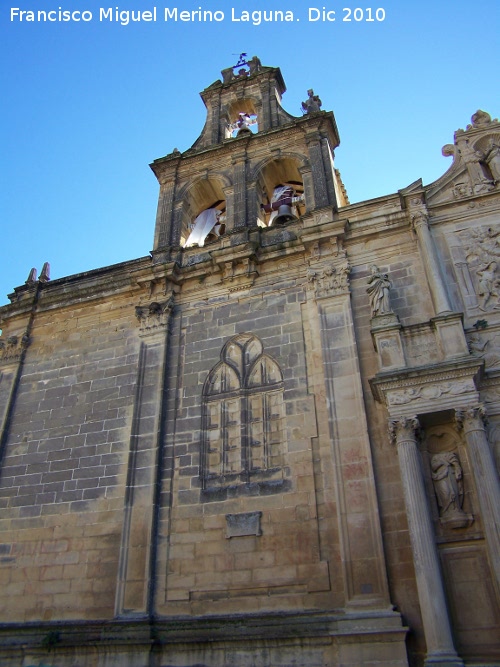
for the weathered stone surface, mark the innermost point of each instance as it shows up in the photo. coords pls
(195, 465)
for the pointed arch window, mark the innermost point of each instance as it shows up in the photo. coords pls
(243, 420)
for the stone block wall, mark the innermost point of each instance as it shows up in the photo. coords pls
(64, 464)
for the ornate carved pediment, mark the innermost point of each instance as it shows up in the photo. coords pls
(476, 161)
(329, 280)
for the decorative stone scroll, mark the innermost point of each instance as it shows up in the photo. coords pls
(330, 280)
(12, 347)
(153, 317)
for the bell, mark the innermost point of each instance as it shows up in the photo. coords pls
(285, 214)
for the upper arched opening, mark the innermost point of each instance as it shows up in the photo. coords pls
(280, 192)
(203, 214)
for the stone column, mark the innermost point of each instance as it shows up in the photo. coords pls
(485, 478)
(437, 629)
(431, 262)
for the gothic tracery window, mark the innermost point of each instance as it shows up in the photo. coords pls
(242, 414)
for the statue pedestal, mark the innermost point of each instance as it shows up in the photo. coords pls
(386, 335)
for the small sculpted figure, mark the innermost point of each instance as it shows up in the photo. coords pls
(488, 284)
(312, 104)
(492, 159)
(378, 290)
(474, 161)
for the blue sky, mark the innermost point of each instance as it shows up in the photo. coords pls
(87, 106)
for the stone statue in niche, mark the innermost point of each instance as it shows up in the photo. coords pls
(378, 290)
(312, 104)
(447, 477)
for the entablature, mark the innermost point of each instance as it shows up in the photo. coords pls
(429, 388)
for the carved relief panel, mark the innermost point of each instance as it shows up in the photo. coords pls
(476, 259)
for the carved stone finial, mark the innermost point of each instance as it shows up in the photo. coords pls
(378, 290)
(31, 280)
(312, 104)
(480, 118)
(45, 274)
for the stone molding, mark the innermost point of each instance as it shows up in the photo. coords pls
(428, 389)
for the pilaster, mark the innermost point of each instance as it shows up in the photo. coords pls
(137, 551)
(363, 567)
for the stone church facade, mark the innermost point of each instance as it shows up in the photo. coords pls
(273, 441)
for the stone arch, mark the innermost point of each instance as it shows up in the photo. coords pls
(202, 194)
(249, 105)
(274, 173)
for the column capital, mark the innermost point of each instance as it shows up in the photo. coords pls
(471, 419)
(403, 428)
(419, 218)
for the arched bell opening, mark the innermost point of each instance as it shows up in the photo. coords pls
(241, 118)
(204, 214)
(280, 193)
